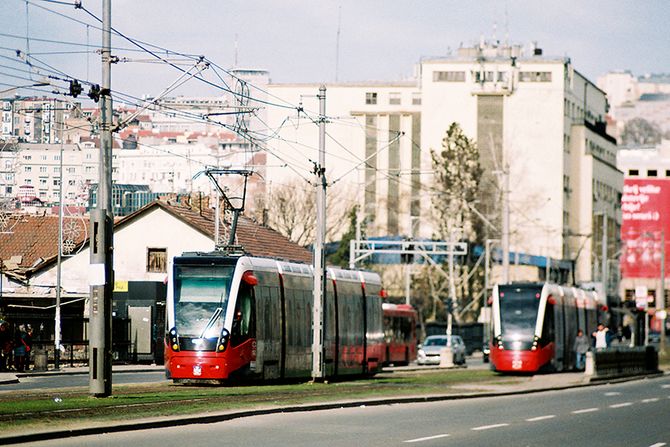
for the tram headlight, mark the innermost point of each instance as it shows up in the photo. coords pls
(223, 340)
(174, 339)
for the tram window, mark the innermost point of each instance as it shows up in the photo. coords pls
(548, 325)
(244, 322)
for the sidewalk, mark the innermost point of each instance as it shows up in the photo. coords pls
(15, 377)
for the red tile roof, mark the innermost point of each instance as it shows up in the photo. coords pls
(256, 239)
(34, 238)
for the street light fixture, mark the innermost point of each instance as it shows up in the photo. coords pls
(36, 84)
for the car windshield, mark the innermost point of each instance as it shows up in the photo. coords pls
(435, 341)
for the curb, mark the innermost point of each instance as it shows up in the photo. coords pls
(222, 417)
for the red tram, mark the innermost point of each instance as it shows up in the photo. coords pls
(231, 316)
(399, 333)
(534, 325)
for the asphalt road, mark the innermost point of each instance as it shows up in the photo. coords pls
(628, 414)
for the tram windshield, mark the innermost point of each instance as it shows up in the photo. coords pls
(518, 312)
(200, 299)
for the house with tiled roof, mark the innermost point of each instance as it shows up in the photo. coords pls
(144, 244)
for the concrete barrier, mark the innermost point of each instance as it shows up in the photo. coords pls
(623, 361)
(40, 360)
(446, 357)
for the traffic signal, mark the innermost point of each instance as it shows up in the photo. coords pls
(449, 305)
(94, 92)
(407, 258)
(75, 88)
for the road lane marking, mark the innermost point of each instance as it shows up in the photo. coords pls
(427, 438)
(665, 386)
(622, 404)
(541, 418)
(488, 427)
(613, 393)
(653, 399)
(585, 410)
(658, 444)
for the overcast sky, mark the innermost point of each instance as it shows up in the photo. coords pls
(296, 40)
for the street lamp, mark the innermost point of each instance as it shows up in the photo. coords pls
(36, 84)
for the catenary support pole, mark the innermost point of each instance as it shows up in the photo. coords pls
(319, 256)
(505, 225)
(660, 303)
(101, 275)
(59, 260)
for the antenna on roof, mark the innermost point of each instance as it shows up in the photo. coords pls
(337, 42)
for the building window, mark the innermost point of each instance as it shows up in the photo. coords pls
(394, 98)
(652, 173)
(667, 172)
(27, 157)
(416, 98)
(157, 260)
(633, 172)
(448, 76)
(43, 169)
(535, 76)
(371, 98)
(27, 169)
(56, 182)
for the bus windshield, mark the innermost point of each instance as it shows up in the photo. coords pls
(200, 298)
(518, 312)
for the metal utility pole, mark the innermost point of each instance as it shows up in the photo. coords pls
(101, 269)
(660, 299)
(603, 255)
(57, 318)
(319, 254)
(505, 225)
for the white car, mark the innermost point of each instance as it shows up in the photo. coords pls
(429, 351)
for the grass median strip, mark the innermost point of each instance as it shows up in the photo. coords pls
(58, 409)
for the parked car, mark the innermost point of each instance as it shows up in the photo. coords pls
(429, 351)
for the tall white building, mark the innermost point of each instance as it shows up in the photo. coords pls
(536, 114)
(373, 150)
(545, 120)
(38, 166)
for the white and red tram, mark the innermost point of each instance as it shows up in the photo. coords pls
(534, 325)
(231, 316)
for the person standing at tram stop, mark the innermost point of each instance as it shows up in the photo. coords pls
(21, 349)
(581, 347)
(602, 336)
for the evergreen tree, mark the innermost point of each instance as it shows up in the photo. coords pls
(341, 256)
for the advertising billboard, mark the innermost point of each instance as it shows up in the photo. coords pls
(645, 208)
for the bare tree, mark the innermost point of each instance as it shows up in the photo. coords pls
(290, 209)
(639, 131)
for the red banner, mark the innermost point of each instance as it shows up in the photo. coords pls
(645, 207)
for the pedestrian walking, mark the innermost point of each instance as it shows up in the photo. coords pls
(602, 336)
(581, 347)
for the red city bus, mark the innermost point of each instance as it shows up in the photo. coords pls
(399, 333)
